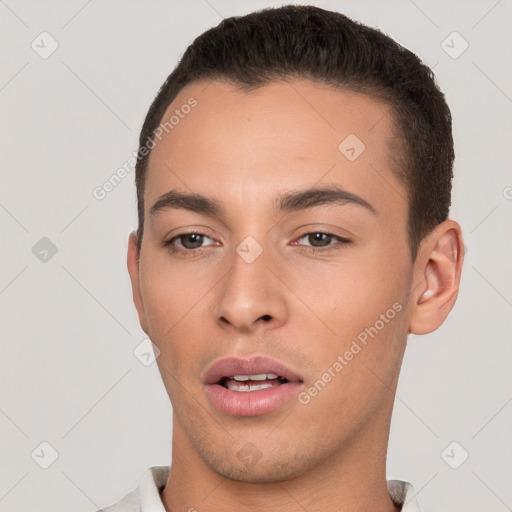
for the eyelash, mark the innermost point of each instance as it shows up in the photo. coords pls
(341, 242)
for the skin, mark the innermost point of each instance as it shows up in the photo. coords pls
(243, 149)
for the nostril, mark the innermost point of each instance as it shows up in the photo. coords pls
(266, 318)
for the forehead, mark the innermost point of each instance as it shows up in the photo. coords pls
(279, 136)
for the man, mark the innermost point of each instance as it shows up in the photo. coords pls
(293, 182)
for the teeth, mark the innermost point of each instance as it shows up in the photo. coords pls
(233, 386)
(252, 382)
(260, 376)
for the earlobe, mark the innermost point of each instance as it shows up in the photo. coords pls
(437, 277)
(133, 270)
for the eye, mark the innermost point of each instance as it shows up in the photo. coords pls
(194, 242)
(187, 242)
(320, 241)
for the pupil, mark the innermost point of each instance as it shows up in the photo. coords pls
(195, 240)
(319, 237)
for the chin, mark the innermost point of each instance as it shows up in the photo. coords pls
(262, 475)
(248, 465)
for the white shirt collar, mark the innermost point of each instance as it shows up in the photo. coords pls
(146, 498)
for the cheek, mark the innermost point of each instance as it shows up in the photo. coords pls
(355, 368)
(363, 297)
(172, 302)
(350, 292)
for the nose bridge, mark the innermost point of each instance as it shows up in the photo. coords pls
(250, 291)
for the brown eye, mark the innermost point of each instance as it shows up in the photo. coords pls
(191, 240)
(186, 243)
(318, 241)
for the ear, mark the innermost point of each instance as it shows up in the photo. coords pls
(437, 273)
(133, 270)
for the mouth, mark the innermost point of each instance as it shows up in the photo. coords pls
(248, 383)
(250, 386)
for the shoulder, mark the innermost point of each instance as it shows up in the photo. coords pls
(403, 495)
(146, 496)
(130, 503)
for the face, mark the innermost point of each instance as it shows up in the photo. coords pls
(275, 248)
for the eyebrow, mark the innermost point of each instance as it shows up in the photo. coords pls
(288, 202)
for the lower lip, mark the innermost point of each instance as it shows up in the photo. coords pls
(251, 403)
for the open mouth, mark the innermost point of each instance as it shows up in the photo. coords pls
(246, 383)
(250, 386)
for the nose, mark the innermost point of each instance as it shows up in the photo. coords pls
(251, 296)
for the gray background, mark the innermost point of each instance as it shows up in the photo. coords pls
(69, 376)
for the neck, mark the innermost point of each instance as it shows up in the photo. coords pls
(352, 479)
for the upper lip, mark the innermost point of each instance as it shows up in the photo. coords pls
(255, 365)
